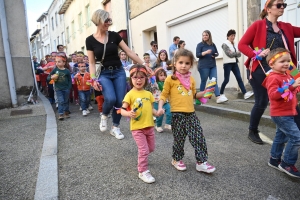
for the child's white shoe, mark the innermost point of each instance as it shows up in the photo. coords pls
(159, 129)
(205, 167)
(146, 177)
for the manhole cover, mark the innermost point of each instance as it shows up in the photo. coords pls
(20, 112)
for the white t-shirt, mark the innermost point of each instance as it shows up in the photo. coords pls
(153, 56)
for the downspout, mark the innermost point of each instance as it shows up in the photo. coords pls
(128, 25)
(30, 52)
(7, 54)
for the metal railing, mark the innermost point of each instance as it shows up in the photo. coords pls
(297, 44)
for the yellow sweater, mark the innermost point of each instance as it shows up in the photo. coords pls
(180, 99)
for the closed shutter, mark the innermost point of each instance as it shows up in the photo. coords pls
(191, 31)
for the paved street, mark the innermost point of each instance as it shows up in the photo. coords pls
(95, 165)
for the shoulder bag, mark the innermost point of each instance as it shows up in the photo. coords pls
(99, 64)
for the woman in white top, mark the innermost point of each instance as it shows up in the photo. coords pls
(153, 52)
(230, 63)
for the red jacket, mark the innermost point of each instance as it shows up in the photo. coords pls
(82, 81)
(256, 36)
(278, 107)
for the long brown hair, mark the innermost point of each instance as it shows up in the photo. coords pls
(268, 4)
(209, 42)
(179, 53)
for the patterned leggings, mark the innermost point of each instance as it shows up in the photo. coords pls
(184, 124)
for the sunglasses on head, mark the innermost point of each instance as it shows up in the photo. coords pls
(108, 20)
(279, 5)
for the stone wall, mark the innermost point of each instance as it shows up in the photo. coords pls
(253, 11)
(137, 7)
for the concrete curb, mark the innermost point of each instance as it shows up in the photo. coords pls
(234, 114)
(47, 181)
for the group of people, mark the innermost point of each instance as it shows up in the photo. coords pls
(152, 92)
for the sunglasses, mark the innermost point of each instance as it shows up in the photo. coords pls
(155, 45)
(279, 5)
(108, 20)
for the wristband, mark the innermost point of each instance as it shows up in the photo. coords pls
(93, 76)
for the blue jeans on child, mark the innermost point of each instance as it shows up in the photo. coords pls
(286, 131)
(63, 100)
(168, 113)
(85, 98)
(113, 89)
(206, 73)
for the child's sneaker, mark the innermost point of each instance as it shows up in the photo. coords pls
(61, 117)
(87, 111)
(168, 126)
(205, 167)
(274, 163)
(103, 123)
(179, 165)
(115, 131)
(84, 113)
(146, 177)
(291, 170)
(90, 107)
(159, 129)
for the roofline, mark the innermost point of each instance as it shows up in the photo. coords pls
(35, 32)
(42, 17)
(64, 7)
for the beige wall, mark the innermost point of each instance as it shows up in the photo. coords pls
(139, 6)
(156, 19)
(116, 8)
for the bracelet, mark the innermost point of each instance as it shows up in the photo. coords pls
(93, 76)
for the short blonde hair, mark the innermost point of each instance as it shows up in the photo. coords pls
(99, 16)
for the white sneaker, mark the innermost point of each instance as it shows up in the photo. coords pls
(103, 123)
(90, 107)
(168, 126)
(222, 99)
(80, 108)
(115, 131)
(159, 129)
(84, 113)
(87, 111)
(146, 177)
(205, 167)
(247, 95)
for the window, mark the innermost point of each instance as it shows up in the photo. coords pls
(61, 17)
(80, 22)
(58, 40)
(68, 35)
(52, 21)
(73, 29)
(46, 29)
(63, 38)
(56, 18)
(43, 31)
(48, 49)
(54, 45)
(88, 19)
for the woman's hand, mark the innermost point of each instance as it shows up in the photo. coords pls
(208, 51)
(97, 86)
(264, 53)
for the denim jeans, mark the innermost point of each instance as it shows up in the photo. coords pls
(236, 71)
(113, 89)
(286, 131)
(63, 100)
(208, 73)
(85, 98)
(168, 113)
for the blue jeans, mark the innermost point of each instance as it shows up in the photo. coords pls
(85, 98)
(286, 131)
(113, 89)
(63, 100)
(236, 71)
(168, 113)
(208, 73)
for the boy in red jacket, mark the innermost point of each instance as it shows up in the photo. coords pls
(282, 90)
(82, 80)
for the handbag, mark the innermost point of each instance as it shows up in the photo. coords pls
(99, 64)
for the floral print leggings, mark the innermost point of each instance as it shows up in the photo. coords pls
(184, 124)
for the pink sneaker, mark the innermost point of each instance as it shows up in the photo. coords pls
(205, 167)
(179, 165)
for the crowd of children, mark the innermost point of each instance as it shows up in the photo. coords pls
(171, 90)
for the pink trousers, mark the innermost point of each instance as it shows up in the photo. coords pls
(145, 141)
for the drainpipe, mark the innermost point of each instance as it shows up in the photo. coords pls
(9, 67)
(128, 25)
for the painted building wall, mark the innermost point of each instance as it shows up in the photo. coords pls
(155, 18)
(19, 47)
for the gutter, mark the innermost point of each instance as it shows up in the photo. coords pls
(7, 53)
(128, 25)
